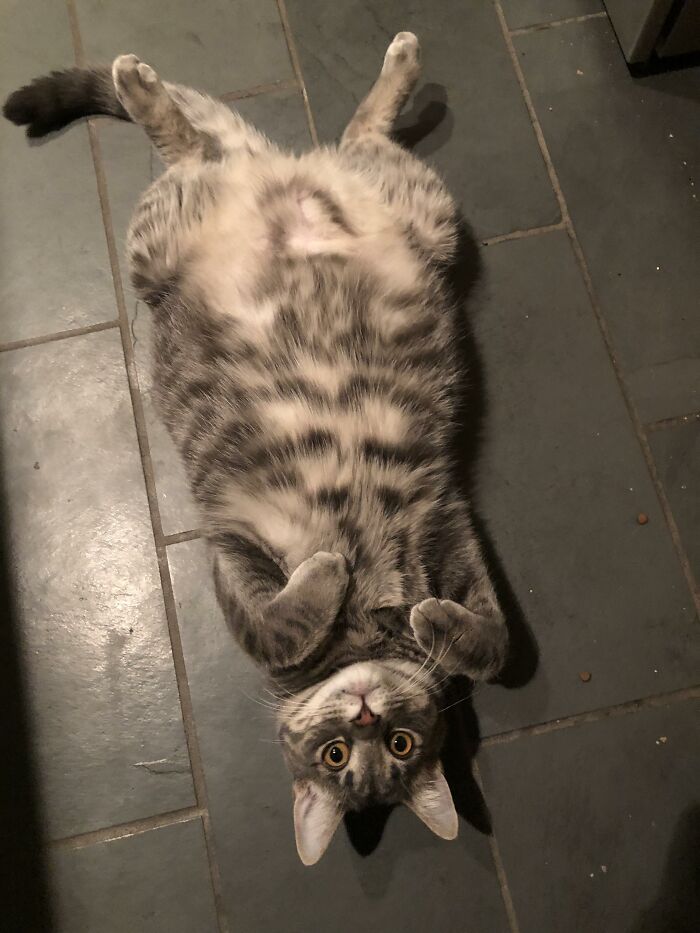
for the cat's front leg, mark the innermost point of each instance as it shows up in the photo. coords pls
(460, 641)
(279, 623)
(305, 610)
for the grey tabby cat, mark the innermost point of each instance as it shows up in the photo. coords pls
(306, 369)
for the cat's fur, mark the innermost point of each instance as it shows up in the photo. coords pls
(305, 365)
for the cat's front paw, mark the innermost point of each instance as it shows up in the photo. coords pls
(325, 567)
(444, 629)
(321, 581)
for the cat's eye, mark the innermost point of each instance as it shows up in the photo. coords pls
(336, 755)
(401, 744)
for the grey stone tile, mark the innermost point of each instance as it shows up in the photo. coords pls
(155, 882)
(627, 155)
(599, 824)
(55, 271)
(129, 166)
(561, 481)
(676, 452)
(213, 45)
(520, 13)
(265, 886)
(280, 115)
(484, 145)
(96, 647)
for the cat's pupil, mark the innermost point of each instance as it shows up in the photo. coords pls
(400, 743)
(336, 755)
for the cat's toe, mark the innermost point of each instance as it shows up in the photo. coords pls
(335, 563)
(147, 75)
(421, 622)
(437, 611)
(134, 82)
(125, 70)
(403, 52)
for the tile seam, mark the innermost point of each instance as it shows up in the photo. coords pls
(127, 830)
(522, 234)
(497, 859)
(629, 707)
(58, 335)
(554, 24)
(259, 90)
(296, 67)
(673, 422)
(186, 707)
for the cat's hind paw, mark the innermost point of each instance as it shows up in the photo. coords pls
(403, 53)
(137, 85)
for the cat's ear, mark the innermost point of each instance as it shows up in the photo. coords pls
(432, 803)
(316, 818)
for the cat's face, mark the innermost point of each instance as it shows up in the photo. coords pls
(369, 734)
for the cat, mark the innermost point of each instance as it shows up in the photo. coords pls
(305, 366)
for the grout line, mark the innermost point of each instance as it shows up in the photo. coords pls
(598, 715)
(284, 84)
(602, 325)
(60, 335)
(296, 65)
(198, 778)
(538, 27)
(673, 422)
(498, 863)
(180, 536)
(125, 830)
(553, 179)
(521, 234)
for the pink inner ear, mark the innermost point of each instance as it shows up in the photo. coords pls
(316, 818)
(432, 803)
(305, 804)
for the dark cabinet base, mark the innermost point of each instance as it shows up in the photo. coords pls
(649, 29)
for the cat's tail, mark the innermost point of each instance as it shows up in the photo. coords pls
(53, 101)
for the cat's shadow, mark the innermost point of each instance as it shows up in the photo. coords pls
(425, 124)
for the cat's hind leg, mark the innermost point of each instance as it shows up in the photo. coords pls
(421, 200)
(143, 95)
(400, 71)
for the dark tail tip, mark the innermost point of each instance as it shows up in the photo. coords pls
(53, 101)
(20, 107)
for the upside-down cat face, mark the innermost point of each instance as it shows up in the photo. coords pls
(368, 734)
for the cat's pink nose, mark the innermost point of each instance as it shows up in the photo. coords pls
(365, 717)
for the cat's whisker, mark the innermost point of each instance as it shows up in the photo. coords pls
(266, 704)
(456, 703)
(426, 659)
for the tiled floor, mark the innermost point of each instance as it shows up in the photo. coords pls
(166, 803)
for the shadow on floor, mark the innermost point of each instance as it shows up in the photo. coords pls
(23, 870)
(676, 908)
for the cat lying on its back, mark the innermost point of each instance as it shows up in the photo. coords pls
(305, 365)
